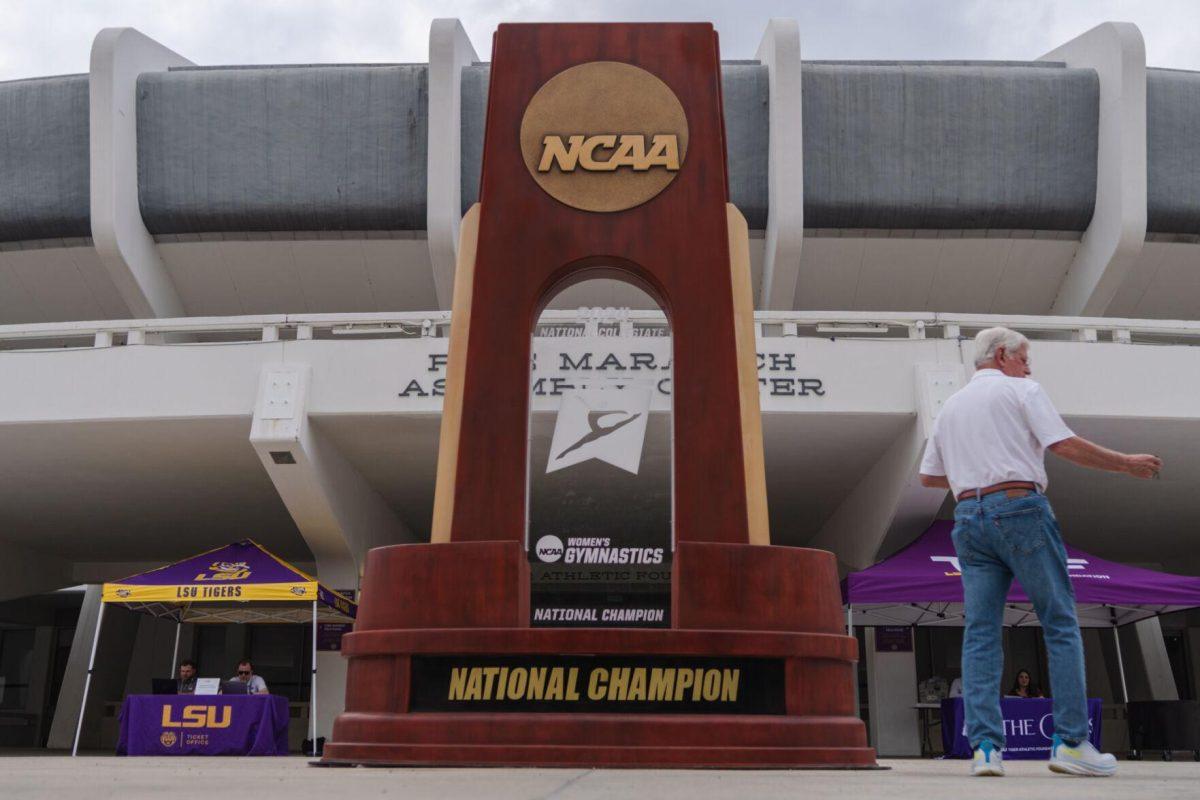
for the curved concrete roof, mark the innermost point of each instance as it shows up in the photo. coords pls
(954, 145)
(277, 149)
(1172, 151)
(919, 146)
(44, 159)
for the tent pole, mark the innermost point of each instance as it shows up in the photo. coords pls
(175, 652)
(854, 668)
(312, 703)
(87, 681)
(1120, 665)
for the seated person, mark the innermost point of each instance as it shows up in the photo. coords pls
(245, 673)
(1023, 686)
(187, 677)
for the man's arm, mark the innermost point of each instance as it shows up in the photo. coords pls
(932, 471)
(1080, 451)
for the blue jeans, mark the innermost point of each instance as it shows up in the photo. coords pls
(999, 538)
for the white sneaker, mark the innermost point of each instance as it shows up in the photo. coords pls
(987, 761)
(1083, 759)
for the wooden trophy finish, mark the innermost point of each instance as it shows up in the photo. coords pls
(604, 154)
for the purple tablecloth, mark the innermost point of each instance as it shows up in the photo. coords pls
(206, 725)
(1028, 726)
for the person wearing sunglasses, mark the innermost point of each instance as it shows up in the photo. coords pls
(245, 674)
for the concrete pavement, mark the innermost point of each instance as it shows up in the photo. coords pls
(102, 778)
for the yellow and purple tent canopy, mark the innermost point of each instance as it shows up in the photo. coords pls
(240, 582)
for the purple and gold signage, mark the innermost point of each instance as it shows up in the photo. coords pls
(154, 725)
(578, 684)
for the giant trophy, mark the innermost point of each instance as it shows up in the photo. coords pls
(604, 155)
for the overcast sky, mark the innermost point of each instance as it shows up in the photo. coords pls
(53, 37)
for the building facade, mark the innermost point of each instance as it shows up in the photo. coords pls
(173, 236)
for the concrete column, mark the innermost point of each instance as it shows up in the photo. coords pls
(125, 247)
(1153, 650)
(891, 692)
(1193, 643)
(1103, 681)
(1112, 242)
(331, 666)
(151, 653)
(235, 651)
(212, 660)
(70, 694)
(779, 52)
(187, 643)
(39, 677)
(449, 51)
(108, 680)
(889, 503)
(339, 514)
(1097, 649)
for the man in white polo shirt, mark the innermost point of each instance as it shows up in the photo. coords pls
(988, 447)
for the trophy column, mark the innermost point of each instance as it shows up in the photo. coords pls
(604, 154)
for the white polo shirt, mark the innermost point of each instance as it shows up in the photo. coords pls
(257, 684)
(995, 429)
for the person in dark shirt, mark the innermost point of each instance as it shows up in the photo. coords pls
(187, 677)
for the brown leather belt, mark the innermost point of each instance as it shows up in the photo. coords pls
(997, 487)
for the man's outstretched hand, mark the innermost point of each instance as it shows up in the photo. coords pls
(1143, 465)
(1080, 451)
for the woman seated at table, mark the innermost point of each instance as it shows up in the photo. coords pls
(1023, 686)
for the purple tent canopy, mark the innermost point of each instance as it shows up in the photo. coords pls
(921, 585)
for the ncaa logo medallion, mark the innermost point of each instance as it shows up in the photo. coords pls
(604, 136)
(549, 548)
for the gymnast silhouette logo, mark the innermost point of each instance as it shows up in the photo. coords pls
(607, 425)
(600, 429)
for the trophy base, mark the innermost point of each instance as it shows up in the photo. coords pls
(609, 741)
(769, 611)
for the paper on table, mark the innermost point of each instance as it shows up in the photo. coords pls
(207, 685)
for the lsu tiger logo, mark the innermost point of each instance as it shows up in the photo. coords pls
(226, 571)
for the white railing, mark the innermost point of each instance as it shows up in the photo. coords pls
(185, 331)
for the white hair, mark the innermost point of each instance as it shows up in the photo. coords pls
(989, 340)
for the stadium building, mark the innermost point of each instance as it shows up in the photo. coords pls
(178, 241)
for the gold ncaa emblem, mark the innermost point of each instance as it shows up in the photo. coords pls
(604, 136)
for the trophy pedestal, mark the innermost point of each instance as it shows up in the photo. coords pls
(772, 611)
